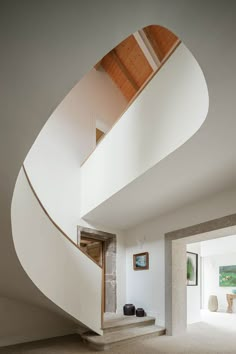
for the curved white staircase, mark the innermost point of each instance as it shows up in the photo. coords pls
(53, 190)
(59, 269)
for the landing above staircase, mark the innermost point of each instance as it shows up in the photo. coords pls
(119, 329)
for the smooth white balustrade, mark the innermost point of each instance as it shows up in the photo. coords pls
(67, 138)
(61, 271)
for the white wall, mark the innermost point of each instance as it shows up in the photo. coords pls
(194, 292)
(211, 286)
(53, 263)
(146, 288)
(165, 115)
(218, 246)
(152, 295)
(216, 253)
(25, 322)
(68, 137)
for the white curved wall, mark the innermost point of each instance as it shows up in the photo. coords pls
(165, 115)
(53, 263)
(67, 138)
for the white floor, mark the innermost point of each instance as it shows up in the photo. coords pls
(215, 334)
(220, 320)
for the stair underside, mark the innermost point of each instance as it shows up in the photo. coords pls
(123, 329)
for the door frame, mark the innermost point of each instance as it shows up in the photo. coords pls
(109, 278)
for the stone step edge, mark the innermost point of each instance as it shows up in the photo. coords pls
(149, 321)
(154, 331)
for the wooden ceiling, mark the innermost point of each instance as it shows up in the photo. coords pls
(129, 65)
(161, 39)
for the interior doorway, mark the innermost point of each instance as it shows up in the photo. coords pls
(94, 248)
(212, 297)
(175, 266)
(101, 247)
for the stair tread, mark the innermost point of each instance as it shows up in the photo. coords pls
(119, 321)
(123, 334)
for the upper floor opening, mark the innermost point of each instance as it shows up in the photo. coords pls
(126, 69)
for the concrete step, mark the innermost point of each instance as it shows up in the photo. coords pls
(118, 322)
(112, 339)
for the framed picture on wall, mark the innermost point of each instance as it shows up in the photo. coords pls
(141, 261)
(227, 275)
(192, 269)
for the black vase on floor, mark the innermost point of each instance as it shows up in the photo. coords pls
(140, 312)
(129, 310)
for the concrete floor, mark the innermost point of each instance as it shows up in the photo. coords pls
(216, 334)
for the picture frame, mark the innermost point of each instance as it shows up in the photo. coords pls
(141, 261)
(227, 276)
(192, 269)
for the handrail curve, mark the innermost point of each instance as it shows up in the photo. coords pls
(55, 266)
(54, 223)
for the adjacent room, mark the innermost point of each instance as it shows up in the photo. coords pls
(211, 282)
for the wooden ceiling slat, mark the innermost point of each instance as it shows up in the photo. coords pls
(127, 64)
(124, 70)
(161, 39)
(132, 56)
(117, 75)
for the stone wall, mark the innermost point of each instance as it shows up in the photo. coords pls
(110, 263)
(110, 275)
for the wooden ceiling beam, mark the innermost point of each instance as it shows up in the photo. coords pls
(153, 43)
(86, 242)
(124, 70)
(110, 66)
(161, 39)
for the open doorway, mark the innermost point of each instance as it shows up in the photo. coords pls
(212, 298)
(94, 248)
(101, 247)
(175, 261)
